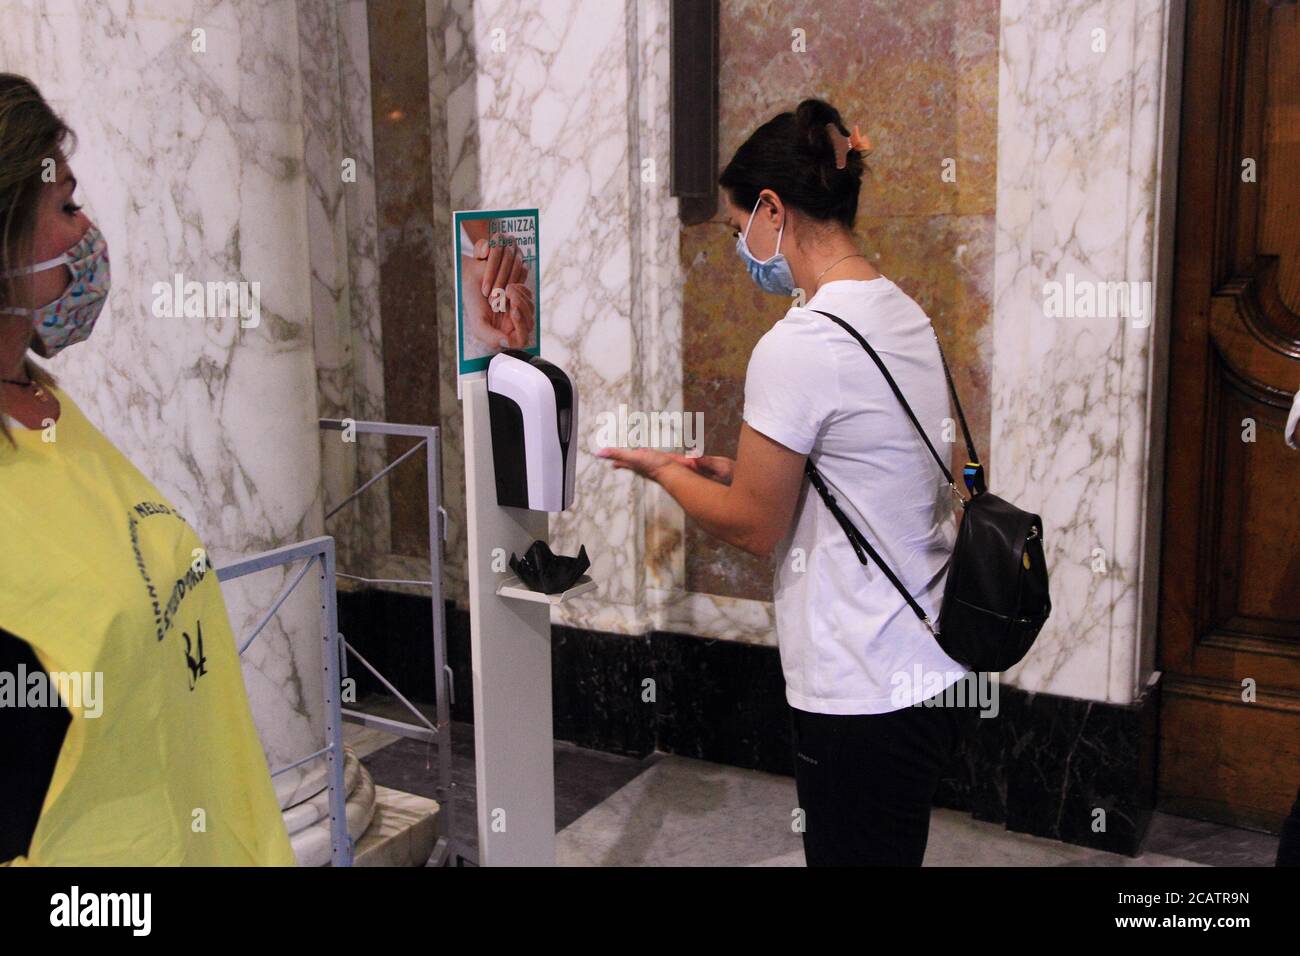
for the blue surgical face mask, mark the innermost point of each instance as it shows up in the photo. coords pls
(771, 275)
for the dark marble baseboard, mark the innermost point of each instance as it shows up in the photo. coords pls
(394, 632)
(1073, 770)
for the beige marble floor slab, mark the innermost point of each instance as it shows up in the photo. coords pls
(684, 812)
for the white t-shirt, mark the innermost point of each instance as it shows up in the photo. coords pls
(849, 642)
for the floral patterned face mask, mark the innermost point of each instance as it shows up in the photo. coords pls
(71, 317)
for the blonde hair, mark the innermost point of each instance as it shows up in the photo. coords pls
(30, 134)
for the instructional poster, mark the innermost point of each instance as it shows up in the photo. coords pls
(496, 284)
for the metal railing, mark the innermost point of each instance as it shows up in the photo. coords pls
(320, 552)
(315, 552)
(439, 733)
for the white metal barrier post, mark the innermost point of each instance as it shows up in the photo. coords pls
(430, 441)
(315, 551)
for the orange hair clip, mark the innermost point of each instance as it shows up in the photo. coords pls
(843, 144)
(860, 142)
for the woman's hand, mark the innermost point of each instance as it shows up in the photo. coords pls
(480, 321)
(519, 318)
(749, 503)
(505, 264)
(716, 467)
(646, 462)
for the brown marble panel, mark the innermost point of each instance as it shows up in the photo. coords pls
(921, 80)
(399, 73)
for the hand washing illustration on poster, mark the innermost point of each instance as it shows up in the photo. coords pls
(496, 284)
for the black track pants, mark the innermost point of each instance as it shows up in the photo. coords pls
(866, 781)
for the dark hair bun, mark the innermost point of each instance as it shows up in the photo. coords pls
(813, 118)
(795, 155)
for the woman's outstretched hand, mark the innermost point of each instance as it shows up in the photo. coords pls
(716, 467)
(748, 505)
(646, 462)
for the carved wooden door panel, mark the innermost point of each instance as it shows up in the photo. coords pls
(1230, 580)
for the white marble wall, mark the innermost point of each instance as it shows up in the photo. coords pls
(1077, 404)
(516, 120)
(526, 125)
(1078, 414)
(283, 94)
(194, 162)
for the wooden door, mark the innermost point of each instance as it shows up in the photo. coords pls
(1230, 578)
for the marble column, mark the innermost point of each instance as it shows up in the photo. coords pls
(1087, 114)
(512, 92)
(338, 169)
(193, 158)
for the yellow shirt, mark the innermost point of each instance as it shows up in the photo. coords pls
(107, 583)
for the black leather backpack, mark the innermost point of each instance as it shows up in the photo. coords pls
(996, 598)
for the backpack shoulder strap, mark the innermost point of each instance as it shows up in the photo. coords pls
(898, 393)
(861, 546)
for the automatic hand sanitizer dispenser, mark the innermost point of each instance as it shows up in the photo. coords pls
(533, 408)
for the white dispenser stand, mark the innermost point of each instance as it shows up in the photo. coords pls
(510, 644)
(510, 651)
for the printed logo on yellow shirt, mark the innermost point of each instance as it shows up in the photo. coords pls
(165, 615)
(198, 665)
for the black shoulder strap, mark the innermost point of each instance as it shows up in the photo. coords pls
(860, 543)
(861, 547)
(961, 416)
(898, 393)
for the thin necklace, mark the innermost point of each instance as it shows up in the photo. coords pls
(851, 255)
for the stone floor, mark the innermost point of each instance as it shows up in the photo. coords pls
(664, 810)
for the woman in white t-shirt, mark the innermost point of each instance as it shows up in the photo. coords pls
(858, 664)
